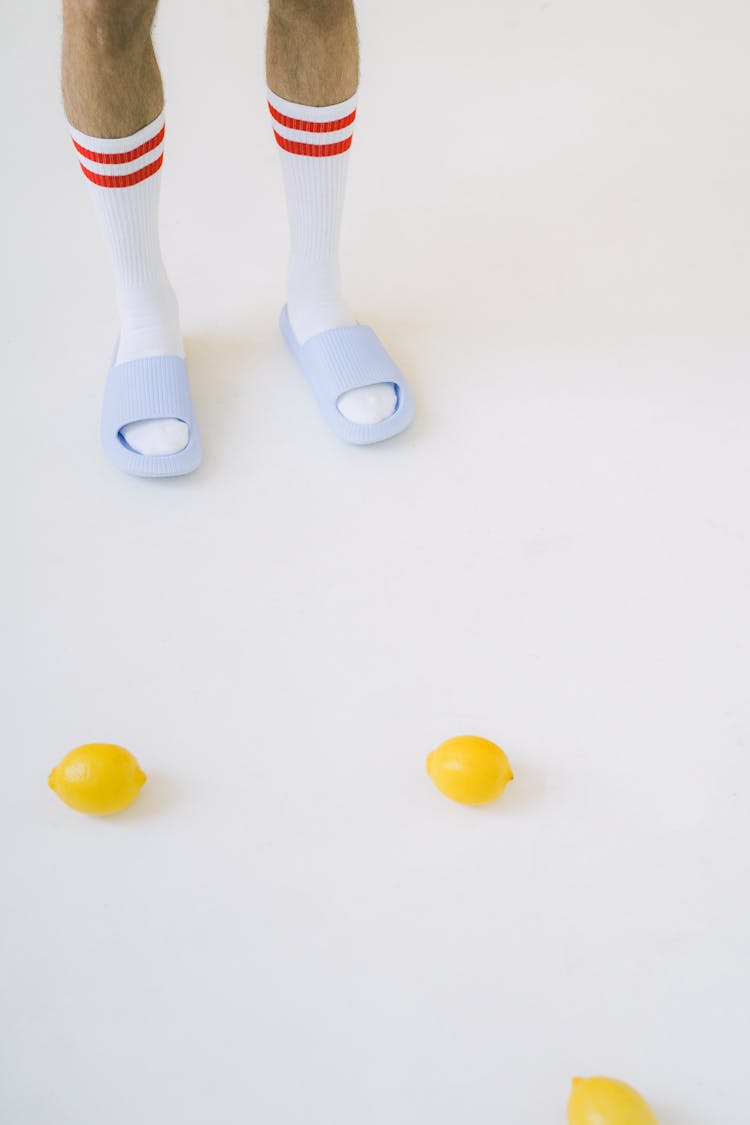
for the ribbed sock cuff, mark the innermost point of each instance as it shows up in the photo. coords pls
(309, 130)
(116, 162)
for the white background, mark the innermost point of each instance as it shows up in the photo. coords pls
(547, 223)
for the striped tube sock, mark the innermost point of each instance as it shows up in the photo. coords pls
(314, 144)
(123, 175)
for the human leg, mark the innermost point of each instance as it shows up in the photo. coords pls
(312, 70)
(113, 98)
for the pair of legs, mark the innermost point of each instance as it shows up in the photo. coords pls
(111, 81)
(112, 88)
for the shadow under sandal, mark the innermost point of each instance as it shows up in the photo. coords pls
(346, 359)
(139, 391)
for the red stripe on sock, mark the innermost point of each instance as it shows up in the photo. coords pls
(121, 157)
(311, 126)
(300, 148)
(124, 181)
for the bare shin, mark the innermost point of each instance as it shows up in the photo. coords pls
(312, 51)
(110, 78)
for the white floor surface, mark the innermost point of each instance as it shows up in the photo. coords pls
(547, 223)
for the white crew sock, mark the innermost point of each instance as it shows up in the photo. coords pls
(314, 146)
(123, 176)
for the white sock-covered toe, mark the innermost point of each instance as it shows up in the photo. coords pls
(158, 437)
(369, 405)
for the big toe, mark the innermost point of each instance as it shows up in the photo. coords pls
(369, 405)
(156, 437)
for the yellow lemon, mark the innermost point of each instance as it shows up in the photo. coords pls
(470, 770)
(605, 1101)
(99, 779)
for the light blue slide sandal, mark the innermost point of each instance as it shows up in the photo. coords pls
(345, 359)
(141, 390)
